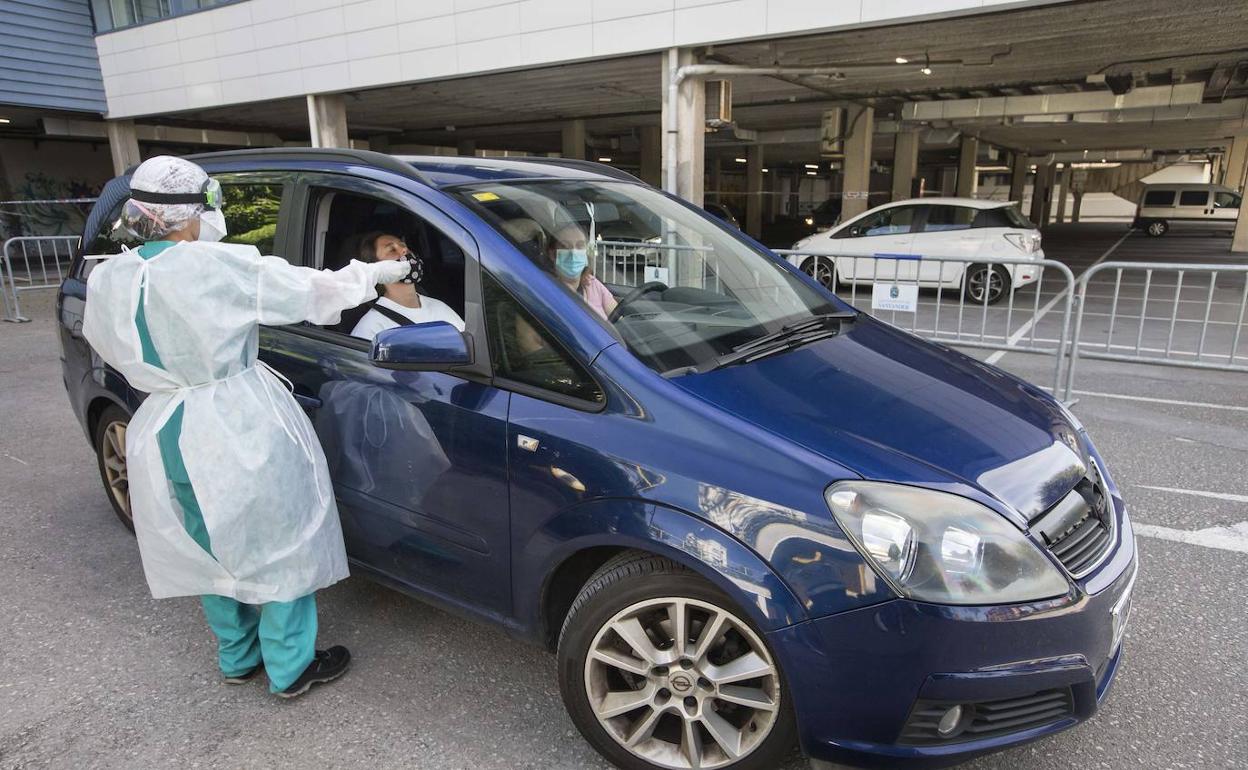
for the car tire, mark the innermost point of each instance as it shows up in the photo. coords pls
(1156, 228)
(110, 454)
(823, 270)
(645, 722)
(977, 276)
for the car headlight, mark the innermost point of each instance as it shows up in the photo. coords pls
(941, 548)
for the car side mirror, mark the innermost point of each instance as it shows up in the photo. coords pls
(427, 347)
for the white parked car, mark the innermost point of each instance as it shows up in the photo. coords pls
(903, 240)
(1196, 207)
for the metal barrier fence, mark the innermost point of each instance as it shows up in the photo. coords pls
(1201, 335)
(30, 263)
(985, 294)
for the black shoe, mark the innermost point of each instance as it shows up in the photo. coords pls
(245, 677)
(327, 666)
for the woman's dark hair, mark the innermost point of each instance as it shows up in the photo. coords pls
(368, 244)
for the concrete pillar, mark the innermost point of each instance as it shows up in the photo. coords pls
(856, 174)
(123, 143)
(1061, 192)
(905, 164)
(1042, 195)
(466, 147)
(1019, 165)
(1239, 242)
(690, 133)
(1074, 214)
(754, 190)
(715, 179)
(651, 140)
(968, 179)
(574, 139)
(949, 181)
(327, 120)
(1236, 160)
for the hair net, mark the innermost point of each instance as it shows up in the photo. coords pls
(168, 175)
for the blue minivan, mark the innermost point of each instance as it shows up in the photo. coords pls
(741, 513)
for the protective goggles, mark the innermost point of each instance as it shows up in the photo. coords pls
(209, 196)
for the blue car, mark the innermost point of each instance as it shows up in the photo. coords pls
(741, 513)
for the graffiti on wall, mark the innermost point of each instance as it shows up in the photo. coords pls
(28, 214)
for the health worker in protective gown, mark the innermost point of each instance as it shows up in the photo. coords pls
(229, 488)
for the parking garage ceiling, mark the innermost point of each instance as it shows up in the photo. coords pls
(1047, 49)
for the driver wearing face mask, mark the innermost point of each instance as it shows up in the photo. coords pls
(400, 304)
(570, 258)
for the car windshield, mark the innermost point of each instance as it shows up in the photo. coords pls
(686, 293)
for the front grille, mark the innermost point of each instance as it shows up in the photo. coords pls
(1080, 546)
(1079, 529)
(987, 719)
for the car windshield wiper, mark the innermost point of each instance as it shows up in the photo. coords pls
(797, 327)
(791, 337)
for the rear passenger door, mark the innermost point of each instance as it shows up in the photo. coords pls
(946, 231)
(418, 459)
(1195, 210)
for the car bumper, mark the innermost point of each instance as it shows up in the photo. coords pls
(861, 679)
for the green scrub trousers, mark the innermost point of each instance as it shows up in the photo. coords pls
(282, 635)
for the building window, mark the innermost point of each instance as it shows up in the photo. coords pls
(117, 14)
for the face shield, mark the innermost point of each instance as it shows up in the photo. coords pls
(149, 215)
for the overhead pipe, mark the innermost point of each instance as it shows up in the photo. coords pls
(679, 74)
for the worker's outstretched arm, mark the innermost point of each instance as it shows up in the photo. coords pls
(286, 294)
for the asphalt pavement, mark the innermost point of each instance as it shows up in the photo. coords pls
(95, 673)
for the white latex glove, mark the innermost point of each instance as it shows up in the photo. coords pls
(391, 270)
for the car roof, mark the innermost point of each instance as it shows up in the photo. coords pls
(972, 203)
(1186, 186)
(433, 170)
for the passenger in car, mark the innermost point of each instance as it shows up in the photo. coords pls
(569, 257)
(399, 301)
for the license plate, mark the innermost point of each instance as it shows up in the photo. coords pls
(1120, 614)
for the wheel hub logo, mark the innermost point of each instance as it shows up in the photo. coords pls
(681, 683)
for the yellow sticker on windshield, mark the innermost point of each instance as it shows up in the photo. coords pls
(485, 197)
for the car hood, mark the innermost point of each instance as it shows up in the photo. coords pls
(895, 408)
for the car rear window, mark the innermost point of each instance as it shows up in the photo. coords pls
(940, 218)
(1193, 197)
(1004, 216)
(1159, 198)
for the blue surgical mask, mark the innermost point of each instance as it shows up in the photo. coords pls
(571, 262)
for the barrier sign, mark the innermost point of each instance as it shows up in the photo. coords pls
(902, 297)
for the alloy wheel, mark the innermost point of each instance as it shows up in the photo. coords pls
(682, 683)
(821, 271)
(116, 474)
(985, 276)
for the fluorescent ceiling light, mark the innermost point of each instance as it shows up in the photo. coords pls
(4, 120)
(604, 160)
(740, 160)
(926, 70)
(811, 173)
(815, 166)
(901, 60)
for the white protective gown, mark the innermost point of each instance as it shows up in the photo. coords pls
(257, 470)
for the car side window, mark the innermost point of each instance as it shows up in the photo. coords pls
(1159, 198)
(350, 226)
(891, 221)
(1225, 200)
(522, 351)
(1194, 198)
(942, 218)
(251, 214)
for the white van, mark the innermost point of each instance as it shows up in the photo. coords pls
(1196, 207)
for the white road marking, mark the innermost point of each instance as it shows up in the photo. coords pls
(1152, 400)
(1022, 330)
(1233, 538)
(1199, 493)
(17, 459)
